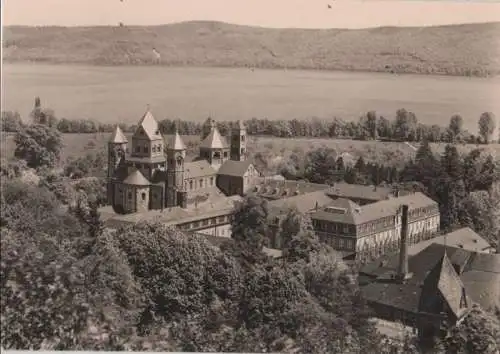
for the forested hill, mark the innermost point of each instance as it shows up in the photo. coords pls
(469, 49)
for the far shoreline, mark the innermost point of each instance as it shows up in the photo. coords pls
(7, 61)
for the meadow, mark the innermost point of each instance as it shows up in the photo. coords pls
(273, 151)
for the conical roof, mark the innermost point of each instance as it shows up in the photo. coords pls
(214, 141)
(149, 125)
(175, 142)
(118, 137)
(136, 178)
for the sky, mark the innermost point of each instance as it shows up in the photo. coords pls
(266, 13)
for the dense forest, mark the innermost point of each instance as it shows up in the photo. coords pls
(67, 282)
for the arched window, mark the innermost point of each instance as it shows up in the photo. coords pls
(143, 196)
(179, 161)
(191, 184)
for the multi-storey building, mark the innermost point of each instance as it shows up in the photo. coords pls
(374, 228)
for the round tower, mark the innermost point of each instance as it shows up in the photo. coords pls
(117, 148)
(176, 155)
(238, 142)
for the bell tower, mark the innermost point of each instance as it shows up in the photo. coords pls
(176, 155)
(117, 148)
(238, 142)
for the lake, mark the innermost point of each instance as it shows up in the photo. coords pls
(121, 94)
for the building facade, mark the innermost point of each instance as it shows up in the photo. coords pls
(375, 228)
(153, 173)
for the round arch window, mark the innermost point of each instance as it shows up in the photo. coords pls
(143, 195)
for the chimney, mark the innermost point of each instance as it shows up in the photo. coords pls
(403, 273)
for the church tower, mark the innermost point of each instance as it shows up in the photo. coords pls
(176, 155)
(238, 142)
(117, 148)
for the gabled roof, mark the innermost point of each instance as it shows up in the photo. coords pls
(375, 211)
(175, 142)
(464, 238)
(199, 168)
(304, 203)
(340, 210)
(136, 178)
(480, 272)
(150, 126)
(214, 141)
(118, 137)
(442, 283)
(234, 168)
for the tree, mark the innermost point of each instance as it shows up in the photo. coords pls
(320, 166)
(405, 125)
(39, 145)
(456, 125)
(303, 246)
(249, 228)
(293, 223)
(487, 125)
(369, 124)
(479, 332)
(11, 121)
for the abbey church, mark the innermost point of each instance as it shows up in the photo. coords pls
(153, 173)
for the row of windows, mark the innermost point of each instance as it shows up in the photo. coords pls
(155, 165)
(200, 184)
(145, 149)
(205, 222)
(422, 211)
(333, 227)
(376, 225)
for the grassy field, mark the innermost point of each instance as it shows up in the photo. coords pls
(273, 150)
(469, 49)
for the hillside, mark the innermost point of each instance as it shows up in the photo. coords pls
(469, 49)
